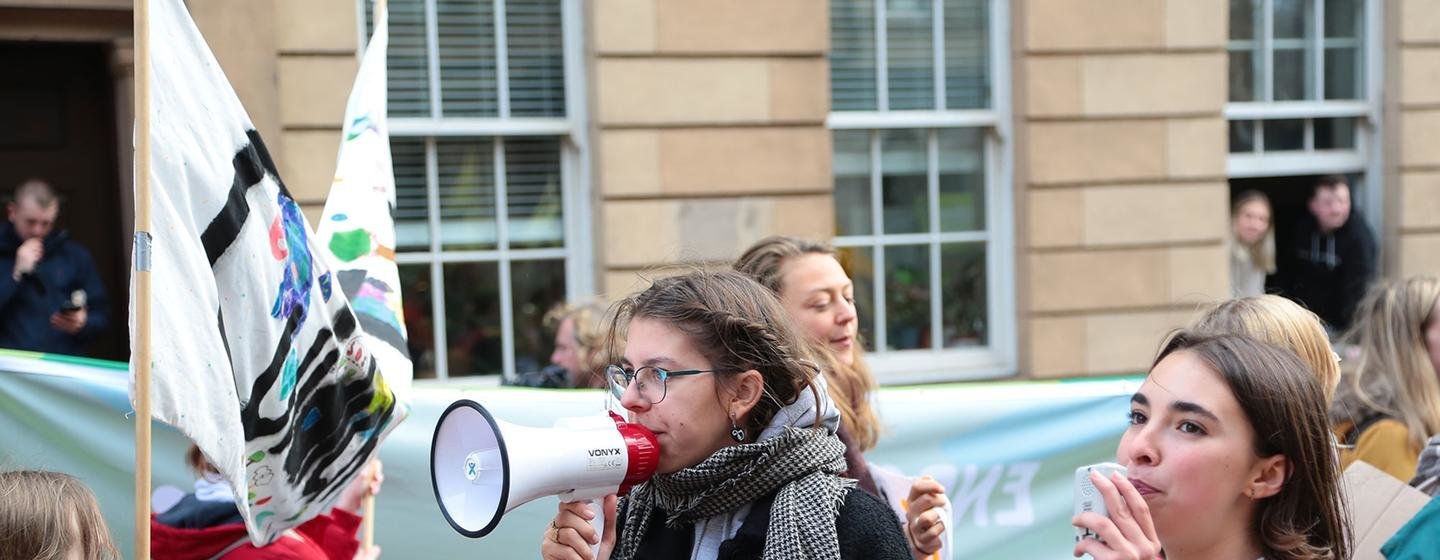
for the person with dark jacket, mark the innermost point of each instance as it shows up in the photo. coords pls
(52, 299)
(1330, 260)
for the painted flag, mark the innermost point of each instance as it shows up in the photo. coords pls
(357, 230)
(255, 356)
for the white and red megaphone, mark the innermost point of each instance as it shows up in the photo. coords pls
(482, 468)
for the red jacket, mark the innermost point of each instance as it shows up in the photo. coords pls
(325, 537)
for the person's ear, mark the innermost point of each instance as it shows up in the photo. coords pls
(746, 390)
(1268, 477)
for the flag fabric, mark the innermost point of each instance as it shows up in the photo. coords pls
(357, 230)
(256, 356)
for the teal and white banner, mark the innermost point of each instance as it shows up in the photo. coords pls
(1005, 451)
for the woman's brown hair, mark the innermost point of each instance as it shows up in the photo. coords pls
(737, 324)
(1281, 322)
(1285, 405)
(44, 515)
(849, 385)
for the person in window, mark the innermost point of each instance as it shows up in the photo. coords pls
(1331, 259)
(1252, 244)
(814, 289)
(577, 361)
(1389, 402)
(1280, 322)
(1228, 455)
(52, 299)
(749, 463)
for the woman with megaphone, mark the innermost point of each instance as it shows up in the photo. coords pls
(749, 461)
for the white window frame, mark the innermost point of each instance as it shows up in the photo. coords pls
(1368, 155)
(998, 358)
(575, 176)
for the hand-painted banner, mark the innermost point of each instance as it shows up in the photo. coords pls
(255, 356)
(357, 229)
(1006, 452)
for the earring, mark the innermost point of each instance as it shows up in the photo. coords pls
(736, 432)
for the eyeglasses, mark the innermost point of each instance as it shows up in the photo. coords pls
(650, 380)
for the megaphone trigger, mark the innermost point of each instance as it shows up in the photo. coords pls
(482, 468)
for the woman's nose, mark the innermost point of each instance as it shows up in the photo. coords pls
(631, 399)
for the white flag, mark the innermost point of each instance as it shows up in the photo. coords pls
(357, 230)
(256, 355)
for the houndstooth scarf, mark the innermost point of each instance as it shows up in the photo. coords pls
(802, 520)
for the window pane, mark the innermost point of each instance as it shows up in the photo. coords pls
(467, 193)
(911, 59)
(535, 45)
(1342, 18)
(852, 182)
(1242, 75)
(466, 31)
(1242, 19)
(1242, 136)
(964, 304)
(412, 230)
(859, 263)
(852, 55)
(962, 179)
(1284, 135)
(967, 54)
(472, 318)
(903, 188)
(1290, 18)
(532, 192)
(1342, 73)
(536, 287)
(406, 61)
(419, 317)
(1335, 134)
(907, 297)
(1291, 75)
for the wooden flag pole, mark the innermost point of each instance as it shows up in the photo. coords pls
(367, 504)
(141, 257)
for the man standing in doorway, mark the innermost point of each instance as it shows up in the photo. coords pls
(51, 299)
(1331, 259)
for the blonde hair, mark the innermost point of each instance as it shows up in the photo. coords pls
(849, 385)
(1394, 376)
(44, 515)
(1262, 253)
(1280, 322)
(590, 330)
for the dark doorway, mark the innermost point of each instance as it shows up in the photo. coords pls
(57, 123)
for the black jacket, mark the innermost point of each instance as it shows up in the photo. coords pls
(867, 530)
(1328, 273)
(26, 306)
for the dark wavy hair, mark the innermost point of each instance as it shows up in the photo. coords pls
(737, 324)
(1285, 405)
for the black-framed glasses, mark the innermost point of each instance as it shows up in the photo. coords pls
(650, 380)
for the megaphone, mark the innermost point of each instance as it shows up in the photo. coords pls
(482, 468)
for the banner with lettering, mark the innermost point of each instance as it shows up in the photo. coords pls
(1006, 452)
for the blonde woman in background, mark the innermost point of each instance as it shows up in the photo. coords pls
(1252, 244)
(1389, 403)
(818, 294)
(48, 515)
(1280, 322)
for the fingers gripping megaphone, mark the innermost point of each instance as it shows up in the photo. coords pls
(482, 468)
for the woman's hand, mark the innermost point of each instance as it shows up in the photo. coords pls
(925, 517)
(367, 483)
(570, 535)
(1128, 533)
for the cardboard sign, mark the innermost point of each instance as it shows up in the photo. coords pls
(1379, 505)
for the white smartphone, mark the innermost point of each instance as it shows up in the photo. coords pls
(1087, 498)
